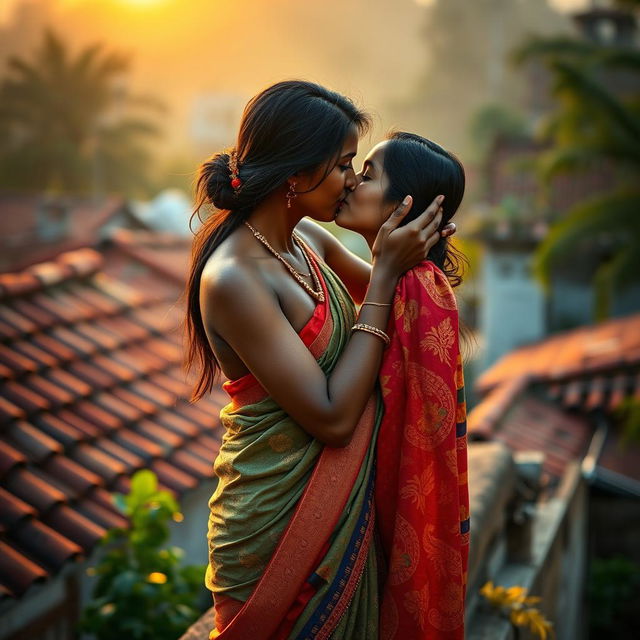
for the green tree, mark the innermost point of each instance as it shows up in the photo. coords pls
(68, 124)
(142, 591)
(593, 125)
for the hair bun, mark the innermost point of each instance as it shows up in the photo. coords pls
(218, 181)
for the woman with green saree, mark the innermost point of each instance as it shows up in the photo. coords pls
(271, 305)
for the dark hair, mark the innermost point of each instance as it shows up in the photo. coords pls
(424, 169)
(289, 127)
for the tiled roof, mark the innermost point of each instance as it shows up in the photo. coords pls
(92, 390)
(22, 241)
(549, 396)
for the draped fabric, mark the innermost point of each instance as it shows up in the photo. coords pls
(291, 545)
(422, 499)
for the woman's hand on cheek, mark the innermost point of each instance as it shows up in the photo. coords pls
(398, 249)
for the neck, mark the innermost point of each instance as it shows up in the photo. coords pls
(275, 221)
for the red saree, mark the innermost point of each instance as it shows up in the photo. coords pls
(422, 500)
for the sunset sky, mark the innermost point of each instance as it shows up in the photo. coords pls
(372, 50)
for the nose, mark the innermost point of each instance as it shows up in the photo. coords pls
(352, 180)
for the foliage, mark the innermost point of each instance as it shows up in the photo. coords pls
(514, 604)
(612, 590)
(629, 414)
(68, 124)
(141, 591)
(593, 126)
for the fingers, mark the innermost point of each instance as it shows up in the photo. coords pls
(399, 213)
(448, 230)
(427, 216)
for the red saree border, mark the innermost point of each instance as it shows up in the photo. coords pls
(312, 524)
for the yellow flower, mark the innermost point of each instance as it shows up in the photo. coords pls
(178, 517)
(156, 578)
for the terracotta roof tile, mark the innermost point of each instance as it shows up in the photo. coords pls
(76, 421)
(34, 490)
(131, 460)
(57, 396)
(44, 544)
(10, 458)
(36, 444)
(41, 357)
(10, 411)
(66, 434)
(192, 464)
(74, 526)
(57, 349)
(145, 448)
(63, 379)
(17, 321)
(39, 316)
(17, 572)
(97, 416)
(13, 510)
(17, 361)
(25, 398)
(71, 473)
(100, 515)
(166, 438)
(92, 391)
(173, 477)
(102, 463)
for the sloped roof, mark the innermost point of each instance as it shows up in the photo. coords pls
(92, 390)
(549, 395)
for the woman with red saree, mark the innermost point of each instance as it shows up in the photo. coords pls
(291, 521)
(421, 495)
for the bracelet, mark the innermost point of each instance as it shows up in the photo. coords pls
(379, 333)
(377, 304)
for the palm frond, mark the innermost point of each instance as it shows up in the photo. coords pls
(587, 88)
(536, 47)
(605, 214)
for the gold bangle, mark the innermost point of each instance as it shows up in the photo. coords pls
(377, 304)
(379, 333)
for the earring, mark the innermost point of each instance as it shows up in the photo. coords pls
(291, 194)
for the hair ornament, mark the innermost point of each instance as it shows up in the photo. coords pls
(236, 183)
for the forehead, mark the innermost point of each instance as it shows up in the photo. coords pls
(375, 157)
(350, 145)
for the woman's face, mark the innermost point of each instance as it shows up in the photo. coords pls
(324, 202)
(365, 210)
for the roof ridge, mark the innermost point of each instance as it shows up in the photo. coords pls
(69, 265)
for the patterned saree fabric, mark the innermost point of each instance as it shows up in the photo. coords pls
(422, 500)
(291, 551)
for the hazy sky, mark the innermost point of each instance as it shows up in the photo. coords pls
(372, 50)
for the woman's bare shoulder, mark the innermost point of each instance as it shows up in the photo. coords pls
(316, 236)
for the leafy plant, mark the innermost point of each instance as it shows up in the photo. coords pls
(142, 591)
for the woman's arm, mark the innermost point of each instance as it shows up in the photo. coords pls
(237, 306)
(350, 268)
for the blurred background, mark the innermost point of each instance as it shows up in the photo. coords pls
(108, 106)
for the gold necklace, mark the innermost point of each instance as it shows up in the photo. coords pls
(317, 293)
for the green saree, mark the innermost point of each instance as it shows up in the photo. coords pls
(291, 551)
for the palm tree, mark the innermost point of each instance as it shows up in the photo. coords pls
(592, 125)
(65, 126)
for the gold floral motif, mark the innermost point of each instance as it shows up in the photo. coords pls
(419, 487)
(437, 287)
(405, 553)
(383, 384)
(417, 603)
(439, 340)
(435, 422)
